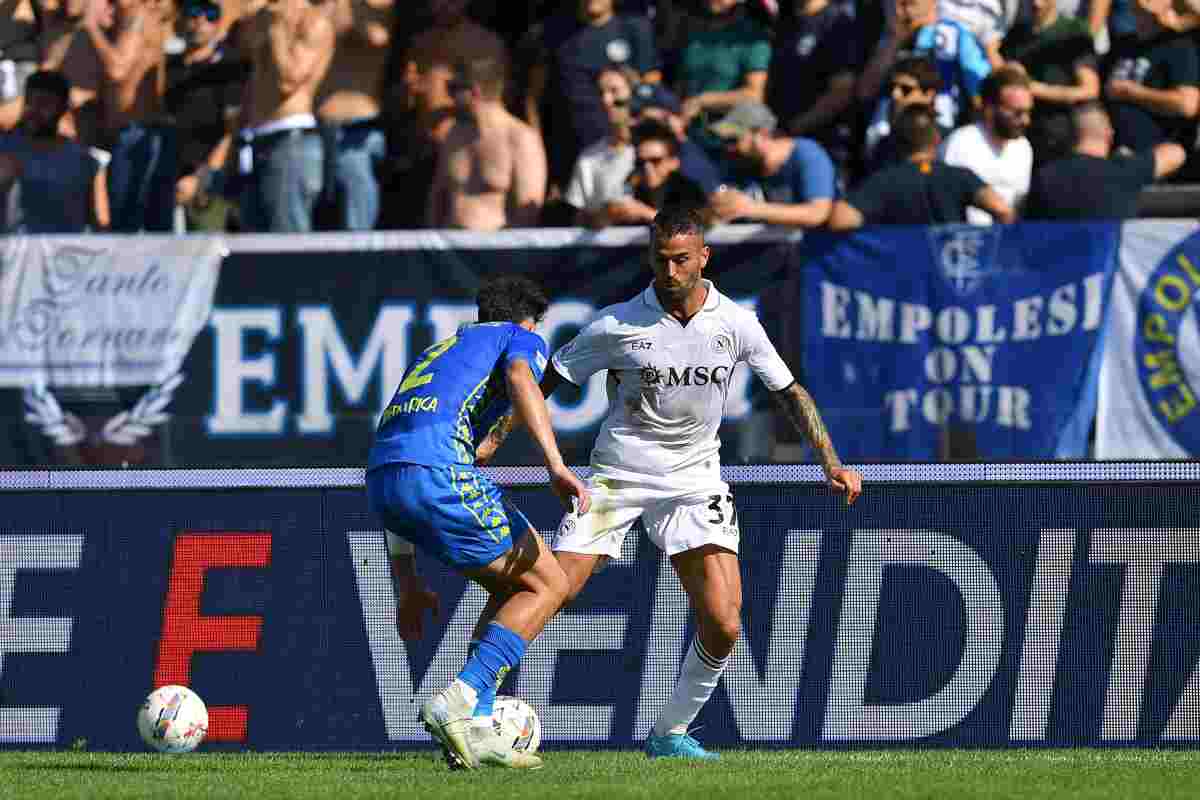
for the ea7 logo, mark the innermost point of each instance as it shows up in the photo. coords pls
(643, 344)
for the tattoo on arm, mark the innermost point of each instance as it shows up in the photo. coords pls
(801, 409)
(499, 432)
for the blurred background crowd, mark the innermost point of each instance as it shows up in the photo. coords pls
(302, 115)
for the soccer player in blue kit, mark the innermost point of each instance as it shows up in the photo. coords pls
(423, 483)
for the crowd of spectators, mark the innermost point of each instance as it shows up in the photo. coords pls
(301, 115)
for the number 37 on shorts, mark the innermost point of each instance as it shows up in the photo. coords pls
(722, 514)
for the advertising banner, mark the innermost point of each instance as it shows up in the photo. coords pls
(304, 348)
(1041, 613)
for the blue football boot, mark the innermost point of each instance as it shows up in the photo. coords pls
(677, 745)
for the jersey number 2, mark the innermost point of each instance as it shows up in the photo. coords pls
(417, 375)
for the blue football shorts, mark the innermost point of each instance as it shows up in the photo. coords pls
(454, 513)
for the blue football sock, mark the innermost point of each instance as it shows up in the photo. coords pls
(497, 652)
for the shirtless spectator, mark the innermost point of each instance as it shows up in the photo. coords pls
(492, 168)
(348, 104)
(141, 175)
(67, 48)
(278, 154)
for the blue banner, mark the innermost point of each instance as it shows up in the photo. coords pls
(950, 614)
(958, 341)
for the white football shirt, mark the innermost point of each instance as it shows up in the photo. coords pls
(671, 382)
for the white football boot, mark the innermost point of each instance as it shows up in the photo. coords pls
(447, 717)
(491, 750)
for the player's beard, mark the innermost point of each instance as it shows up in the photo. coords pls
(678, 292)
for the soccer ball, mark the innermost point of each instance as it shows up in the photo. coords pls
(516, 723)
(173, 719)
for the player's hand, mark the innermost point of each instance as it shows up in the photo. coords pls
(845, 480)
(570, 490)
(413, 599)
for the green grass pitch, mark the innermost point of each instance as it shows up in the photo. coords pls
(739, 775)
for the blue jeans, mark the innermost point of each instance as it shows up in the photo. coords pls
(359, 148)
(141, 179)
(278, 197)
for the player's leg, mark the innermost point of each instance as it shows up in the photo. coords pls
(578, 568)
(488, 540)
(529, 588)
(701, 540)
(711, 579)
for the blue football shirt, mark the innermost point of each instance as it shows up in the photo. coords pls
(452, 394)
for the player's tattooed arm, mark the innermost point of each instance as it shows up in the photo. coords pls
(801, 409)
(504, 426)
(495, 437)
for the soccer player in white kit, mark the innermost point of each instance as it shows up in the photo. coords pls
(669, 353)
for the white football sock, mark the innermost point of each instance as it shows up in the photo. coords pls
(468, 691)
(698, 677)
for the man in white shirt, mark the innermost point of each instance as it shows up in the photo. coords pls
(669, 353)
(602, 169)
(996, 148)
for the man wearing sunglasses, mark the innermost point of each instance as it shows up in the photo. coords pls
(915, 81)
(917, 27)
(204, 89)
(657, 180)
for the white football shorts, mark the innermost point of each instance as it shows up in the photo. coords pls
(675, 521)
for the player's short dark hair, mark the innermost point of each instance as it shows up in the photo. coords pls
(675, 221)
(999, 80)
(916, 131)
(923, 69)
(50, 81)
(511, 298)
(653, 130)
